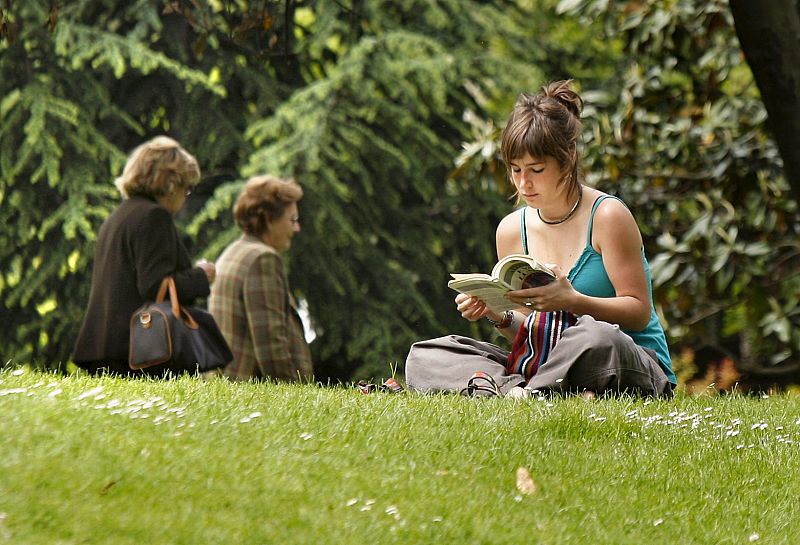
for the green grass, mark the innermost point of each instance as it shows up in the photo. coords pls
(88, 460)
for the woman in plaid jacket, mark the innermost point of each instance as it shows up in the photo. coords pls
(251, 299)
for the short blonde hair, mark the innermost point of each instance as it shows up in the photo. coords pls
(263, 199)
(156, 168)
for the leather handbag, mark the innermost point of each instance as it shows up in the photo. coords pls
(164, 333)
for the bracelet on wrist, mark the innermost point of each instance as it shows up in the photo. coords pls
(506, 320)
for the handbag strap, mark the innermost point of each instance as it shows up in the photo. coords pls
(168, 284)
(162, 289)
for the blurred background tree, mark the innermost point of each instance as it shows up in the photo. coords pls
(387, 112)
(685, 140)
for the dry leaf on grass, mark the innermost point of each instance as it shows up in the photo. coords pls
(525, 482)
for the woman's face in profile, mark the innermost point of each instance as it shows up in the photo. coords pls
(174, 201)
(280, 230)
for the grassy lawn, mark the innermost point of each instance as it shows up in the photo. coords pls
(185, 461)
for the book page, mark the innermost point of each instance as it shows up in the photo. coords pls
(492, 293)
(527, 273)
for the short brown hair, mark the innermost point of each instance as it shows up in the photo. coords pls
(547, 124)
(264, 198)
(156, 168)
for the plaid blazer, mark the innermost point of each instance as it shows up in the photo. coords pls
(251, 302)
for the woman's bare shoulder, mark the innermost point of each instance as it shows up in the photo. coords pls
(613, 211)
(511, 220)
(614, 223)
(508, 236)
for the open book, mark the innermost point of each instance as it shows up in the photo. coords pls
(513, 272)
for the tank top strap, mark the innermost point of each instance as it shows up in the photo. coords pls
(596, 203)
(524, 231)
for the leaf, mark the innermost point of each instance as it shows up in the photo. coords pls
(9, 101)
(566, 6)
(720, 259)
(663, 268)
(172, 7)
(757, 249)
(525, 482)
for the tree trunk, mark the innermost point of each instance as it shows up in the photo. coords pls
(769, 33)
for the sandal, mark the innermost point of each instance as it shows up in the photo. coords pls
(390, 385)
(365, 387)
(481, 382)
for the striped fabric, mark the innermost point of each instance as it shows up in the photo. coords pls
(536, 338)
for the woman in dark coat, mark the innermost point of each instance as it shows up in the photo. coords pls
(137, 246)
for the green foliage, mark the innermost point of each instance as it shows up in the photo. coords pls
(387, 112)
(364, 104)
(59, 133)
(49, 198)
(371, 135)
(203, 461)
(372, 168)
(683, 139)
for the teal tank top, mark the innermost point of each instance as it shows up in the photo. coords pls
(589, 277)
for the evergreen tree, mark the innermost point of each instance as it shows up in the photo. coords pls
(371, 135)
(365, 104)
(62, 135)
(368, 104)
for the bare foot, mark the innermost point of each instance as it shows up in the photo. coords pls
(518, 392)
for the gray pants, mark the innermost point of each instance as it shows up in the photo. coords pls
(445, 364)
(590, 355)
